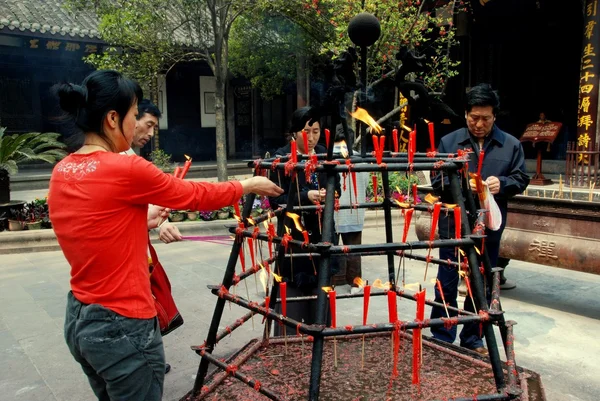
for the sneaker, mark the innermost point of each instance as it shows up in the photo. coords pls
(167, 368)
(507, 284)
(356, 290)
(481, 351)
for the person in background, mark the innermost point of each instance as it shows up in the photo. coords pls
(147, 121)
(349, 222)
(303, 281)
(98, 202)
(503, 171)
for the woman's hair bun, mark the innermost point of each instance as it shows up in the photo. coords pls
(71, 97)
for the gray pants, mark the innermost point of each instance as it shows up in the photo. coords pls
(122, 357)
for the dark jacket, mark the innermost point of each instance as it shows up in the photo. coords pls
(504, 158)
(304, 271)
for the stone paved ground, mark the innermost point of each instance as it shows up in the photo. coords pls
(558, 312)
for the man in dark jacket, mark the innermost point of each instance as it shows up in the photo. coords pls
(301, 274)
(503, 171)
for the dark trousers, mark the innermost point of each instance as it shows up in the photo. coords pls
(303, 311)
(122, 357)
(349, 266)
(470, 335)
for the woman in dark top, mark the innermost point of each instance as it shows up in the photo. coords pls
(301, 275)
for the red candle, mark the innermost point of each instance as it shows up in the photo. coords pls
(332, 308)
(417, 338)
(294, 151)
(392, 307)
(283, 295)
(407, 217)
(375, 145)
(327, 138)
(242, 259)
(421, 304)
(434, 221)
(395, 139)
(305, 141)
(177, 172)
(305, 235)
(366, 298)
(186, 167)
(468, 283)
(375, 187)
(438, 283)
(457, 222)
(236, 206)
(411, 146)
(381, 148)
(251, 247)
(267, 301)
(481, 156)
(431, 137)
(270, 236)
(414, 192)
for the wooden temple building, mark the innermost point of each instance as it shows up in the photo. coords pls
(541, 56)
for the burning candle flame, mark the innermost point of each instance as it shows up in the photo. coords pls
(277, 277)
(187, 157)
(344, 149)
(287, 229)
(429, 198)
(359, 282)
(362, 115)
(327, 289)
(403, 205)
(266, 225)
(413, 286)
(449, 205)
(381, 285)
(263, 277)
(296, 219)
(251, 221)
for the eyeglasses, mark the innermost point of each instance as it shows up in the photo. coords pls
(477, 118)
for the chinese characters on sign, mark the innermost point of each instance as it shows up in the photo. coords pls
(588, 85)
(544, 249)
(55, 45)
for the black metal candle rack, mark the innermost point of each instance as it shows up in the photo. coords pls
(487, 315)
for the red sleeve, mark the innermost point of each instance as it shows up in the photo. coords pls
(150, 185)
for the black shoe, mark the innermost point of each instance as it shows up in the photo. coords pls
(167, 368)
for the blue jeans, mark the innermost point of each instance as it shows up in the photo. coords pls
(122, 357)
(470, 335)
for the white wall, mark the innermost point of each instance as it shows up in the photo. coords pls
(207, 90)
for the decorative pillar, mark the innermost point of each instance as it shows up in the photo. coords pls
(587, 124)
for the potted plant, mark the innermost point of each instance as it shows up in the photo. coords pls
(17, 218)
(208, 215)
(15, 149)
(261, 205)
(224, 213)
(191, 215)
(35, 214)
(162, 160)
(176, 216)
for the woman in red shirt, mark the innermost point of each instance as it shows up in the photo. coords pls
(98, 202)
